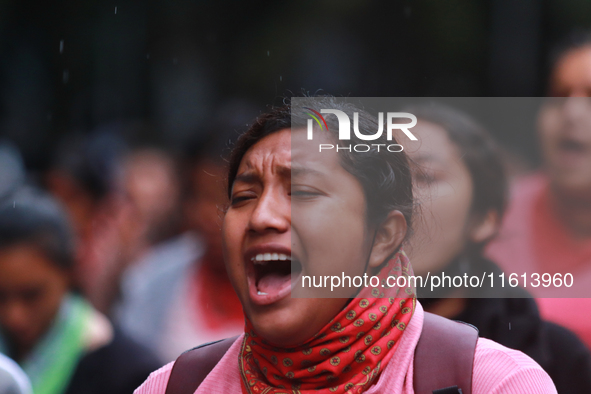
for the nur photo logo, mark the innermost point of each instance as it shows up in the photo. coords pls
(345, 129)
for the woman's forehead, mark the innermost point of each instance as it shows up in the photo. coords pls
(270, 153)
(306, 153)
(435, 145)
(289, 150)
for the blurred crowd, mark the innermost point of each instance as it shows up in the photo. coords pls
(111, 263)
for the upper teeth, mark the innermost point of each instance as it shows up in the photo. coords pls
(270, 257)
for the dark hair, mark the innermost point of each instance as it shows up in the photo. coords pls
(93, 161)
(385, 176)
(31, 217)
(479, 152)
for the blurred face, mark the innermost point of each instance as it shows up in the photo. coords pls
(203, 205)
(564, 128)
(326, 233)
(31, 291)
(572, 74)
(151, 186)
(564, 125)
(444, 190)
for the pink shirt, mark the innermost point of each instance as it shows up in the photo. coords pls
(497, 369)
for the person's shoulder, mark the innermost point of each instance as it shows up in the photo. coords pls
(498, 369)
(570, 359)
(564, 342)
(125, 361)
(123, 352)
(157, 381)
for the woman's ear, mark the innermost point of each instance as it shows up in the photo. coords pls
(389, 236)
(485, 228)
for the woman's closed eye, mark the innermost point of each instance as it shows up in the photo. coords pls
(241, 197)
(424, 178)
(305, 193)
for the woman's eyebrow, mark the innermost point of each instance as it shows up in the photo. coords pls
(247, 177)
(284, 171)
(254, 177)
(424, 158)
(300, 171)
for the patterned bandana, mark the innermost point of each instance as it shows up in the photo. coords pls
(347, 355)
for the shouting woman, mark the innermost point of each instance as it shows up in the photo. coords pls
(296, 212)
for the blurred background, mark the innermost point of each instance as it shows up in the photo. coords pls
(160, 71)
(123, 112)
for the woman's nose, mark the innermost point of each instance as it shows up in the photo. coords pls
(272, 212)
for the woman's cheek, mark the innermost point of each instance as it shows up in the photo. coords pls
(231, 246)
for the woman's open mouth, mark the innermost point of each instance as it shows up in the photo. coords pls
(572, 152)
(270, 276)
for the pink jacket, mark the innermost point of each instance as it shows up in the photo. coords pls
(497, 369)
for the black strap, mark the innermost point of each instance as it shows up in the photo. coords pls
(193, 366)
(448, 390)
(444, 357)
(443, 360)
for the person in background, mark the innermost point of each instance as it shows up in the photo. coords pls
(124, 204)
(61, 342)
(547, 228)
(86, 177)
(13, 379)
(461, 185)
(174, 300)
(154, 237)
(151, 184)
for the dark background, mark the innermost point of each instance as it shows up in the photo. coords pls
(165, 71)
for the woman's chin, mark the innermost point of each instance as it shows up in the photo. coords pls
(284, 333)
(294, 321)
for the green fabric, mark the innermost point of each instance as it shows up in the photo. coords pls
(53, 360)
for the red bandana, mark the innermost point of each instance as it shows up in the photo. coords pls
(346, 356)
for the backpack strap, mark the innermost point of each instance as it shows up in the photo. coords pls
(193, 366)
(442, 365)
(444, 357)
